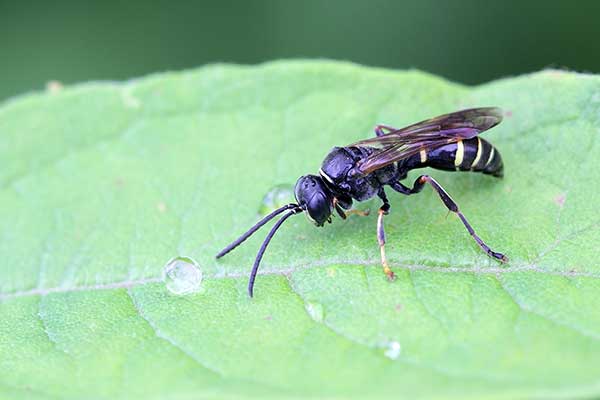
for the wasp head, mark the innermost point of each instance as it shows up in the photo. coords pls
(313, 197)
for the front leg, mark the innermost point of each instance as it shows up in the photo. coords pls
(383, 210)
(344, 213)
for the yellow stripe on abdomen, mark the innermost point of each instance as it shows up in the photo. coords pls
(490, 158)
(460, 154)
(478, 156)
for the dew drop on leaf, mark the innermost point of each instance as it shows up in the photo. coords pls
(277, 196)
(392, 350)
(315, 310)
(182, 275)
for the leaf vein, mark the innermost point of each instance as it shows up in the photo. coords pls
(497, 271)
(166, 338)
(525, 308)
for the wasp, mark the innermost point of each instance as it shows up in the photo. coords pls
(363, 169)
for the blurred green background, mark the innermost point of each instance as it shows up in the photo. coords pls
(465, 40)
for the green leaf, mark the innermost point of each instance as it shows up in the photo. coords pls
(102, 184)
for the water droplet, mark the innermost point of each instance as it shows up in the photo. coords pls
(315, 310)
(392, 350)
(182, 275)
(278, 196)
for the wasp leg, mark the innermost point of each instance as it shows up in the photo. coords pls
(451, 205)
(362, 213)
(383, 210)
(344, 214)
(379, 129)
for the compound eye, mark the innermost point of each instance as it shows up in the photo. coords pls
(319, 209)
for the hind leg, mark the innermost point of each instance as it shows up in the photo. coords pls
(380, 130)
(451, 205)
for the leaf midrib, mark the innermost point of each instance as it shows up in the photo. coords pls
(128, 284)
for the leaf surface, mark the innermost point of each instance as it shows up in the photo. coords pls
(101, 184)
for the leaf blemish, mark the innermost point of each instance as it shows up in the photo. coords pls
(161, 207)
(560, 199)
(54, 87)
(129, 100)
(119, 182)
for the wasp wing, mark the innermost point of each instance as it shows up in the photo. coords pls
(406, 142)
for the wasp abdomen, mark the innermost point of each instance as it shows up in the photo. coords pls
(487, 158)
(473, 154)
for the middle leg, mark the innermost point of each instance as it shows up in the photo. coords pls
(383, 210)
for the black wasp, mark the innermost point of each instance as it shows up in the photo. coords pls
(361, 170)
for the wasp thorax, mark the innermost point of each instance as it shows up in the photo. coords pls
(314, 197)
(336, 165)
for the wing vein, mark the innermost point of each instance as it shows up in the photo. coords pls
(406, 142)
